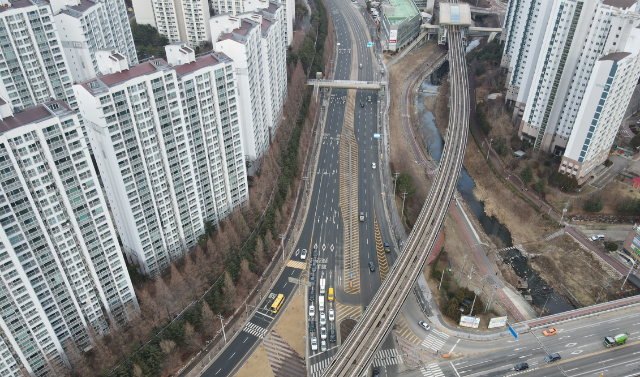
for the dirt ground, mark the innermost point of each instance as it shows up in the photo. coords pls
(258, 365)
(402, 158)
(564, 261)
(291, 326)
(612, 194)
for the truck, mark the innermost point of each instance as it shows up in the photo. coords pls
(618, 340)
(387, 249)
(322, 283)
(321, 303)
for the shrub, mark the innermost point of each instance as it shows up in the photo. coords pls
(611, 246)
(540, 186)
(563, 181)
(446, 284)
(501, 147)
(629, 206)
(527, 174)
(482, 119)
(437, 274)
(451, 295)
(593, 205)
(608, 162)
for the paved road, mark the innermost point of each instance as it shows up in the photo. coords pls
(579, 344)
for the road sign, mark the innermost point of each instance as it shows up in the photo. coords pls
(369, 44)
(513, 332)
(298, 281)
(376, 136)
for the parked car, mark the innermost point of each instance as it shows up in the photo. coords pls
(303, 254)
(597, 237)
(424, 325)
(550, 331)
(521, 366)
(314, 343)
(553, 357)
(372, 267)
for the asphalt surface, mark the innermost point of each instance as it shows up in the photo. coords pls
(324, 225)
(579, 343)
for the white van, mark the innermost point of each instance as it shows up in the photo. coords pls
(598, 237)
(322, 283)
(321, 303)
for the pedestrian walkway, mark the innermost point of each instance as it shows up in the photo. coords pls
(283, 359)
(435, 340)
(296, 264)
(386, 358)
(432, 370)
(255, 330)
(319, 367)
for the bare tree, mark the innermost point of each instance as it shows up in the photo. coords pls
(258, 256)
(230, 293)
(164, 297)
(192, 277)
(178, 286)
(208, 320)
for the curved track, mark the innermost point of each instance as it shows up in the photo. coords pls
(357, 351)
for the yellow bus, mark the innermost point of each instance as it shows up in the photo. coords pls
(277, 303)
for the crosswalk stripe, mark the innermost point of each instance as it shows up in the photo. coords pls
(255, 330)
(435, 340)
(296, 264)
(319, 367)
(432, 370)
(387, 357)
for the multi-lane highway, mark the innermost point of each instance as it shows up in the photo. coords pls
(345, 185)
(356, 354)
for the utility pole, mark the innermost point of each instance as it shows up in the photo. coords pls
(395, 178)
(545, 305)
(474, 302)
(462, 269)
(221, 321)
(490, 301)
(281, 236)
(628, 273)
(404, 197)
(441, 277)
(470, 275)
(489, 151)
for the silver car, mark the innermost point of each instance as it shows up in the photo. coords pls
(303, 254)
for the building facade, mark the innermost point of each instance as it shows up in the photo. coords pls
(86, 26)
(151, 127)
(574, 35)
(63, 273)
(34, 68)
(632, 245)
(180, 20)
(236, 7)
(400, 23)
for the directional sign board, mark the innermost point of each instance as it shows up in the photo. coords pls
(369, 44)
(376, 136)
(513, 332)
(298, 281)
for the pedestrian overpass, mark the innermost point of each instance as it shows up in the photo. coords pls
(347, 84)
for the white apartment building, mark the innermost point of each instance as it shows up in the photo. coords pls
(32, 63)
(236, 7)
(577, 34)
(86, 26)
(254, 42)
(180, 20)
(62, 268)
(602, 110)
(167, 141)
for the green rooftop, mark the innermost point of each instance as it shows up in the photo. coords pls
(402, 9)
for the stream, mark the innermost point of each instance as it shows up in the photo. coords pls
(542, 294)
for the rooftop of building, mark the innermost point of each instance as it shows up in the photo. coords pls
(616, 56)
(34, 114)
(97, 85)
(80, 8)
(266, 23)
(22, 4)
(455, 14)
(201, 62)
(402, 9)
(622, 4)
(239, 33)
(273, 7)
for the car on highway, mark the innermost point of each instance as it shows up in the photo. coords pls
(312, 278)
(360, 65)
(332, 335)
(315, 252)
(550, 331)
(424, 325)
(553, 357)
(376, 372)
(387, 248)
(312, 311)
(323, 346)
(332, 316)
(323, 319)
(372, 267)
(361, 216)
(323, 333)
(373, 165)
(314, 266)
(312, 294)
(361, 103)
(369, 98)
(303, 254)
(314, 343)
(312, 327)
(521, 366)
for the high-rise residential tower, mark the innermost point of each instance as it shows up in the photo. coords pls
(167, 141)
(63, 272)
(254, 42)
(179, 20)
(575, 35)
(33, 66)
(235, 7)
(86, 26)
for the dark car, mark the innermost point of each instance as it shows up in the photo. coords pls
(521, 366)
(312, 326)
(312, 295)
(315, 253)
(314, 266)
(332, 335)
(553, 357)
(312, 278)
(376, 372)
(361, 103)
(372, 267)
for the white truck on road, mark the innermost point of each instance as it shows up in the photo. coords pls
(322, 285)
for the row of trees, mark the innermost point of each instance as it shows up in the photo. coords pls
(225, 264)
